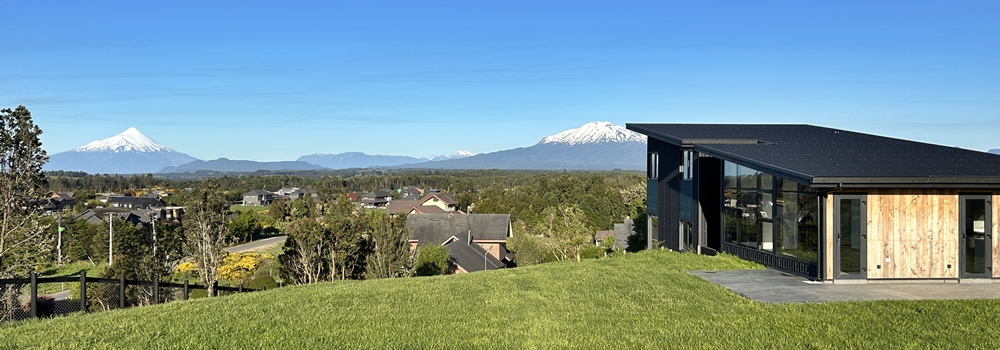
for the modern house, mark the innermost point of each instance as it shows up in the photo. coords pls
(485, 234)
(376, 199)
(134, 202)
(258, 198)
(830, 204)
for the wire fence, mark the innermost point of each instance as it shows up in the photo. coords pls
(35, 297)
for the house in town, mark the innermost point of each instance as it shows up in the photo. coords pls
(434, 203)
(463, 234)
(258, 198)
(134, 202)
(830, 204)
(376, 199)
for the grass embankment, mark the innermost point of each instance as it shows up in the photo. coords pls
(644, 300)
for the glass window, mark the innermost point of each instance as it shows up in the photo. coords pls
(652, 166)
(688, 169)
(798, 223)
(653, 232)
(748, 177)
(730, 175)
(766, 181)
(765, 213)
(747, 222)
(730, 215)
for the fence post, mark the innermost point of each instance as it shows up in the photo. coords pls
(185, 289)
(83, 291)
(215, 289)
(34, 295)
(156, 289)
(121, 292)
(240, 289)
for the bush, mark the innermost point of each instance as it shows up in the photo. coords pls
(592, 252)
(432, 259)
(46, 306)
(262, 282)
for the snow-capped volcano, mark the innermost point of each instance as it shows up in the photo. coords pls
(595, 132)
(593, 146)
(130, 152)
(130, 140)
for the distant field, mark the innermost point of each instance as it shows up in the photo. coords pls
(644, 300)
(237, 207)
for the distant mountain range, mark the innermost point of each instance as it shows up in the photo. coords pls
(239, 166)
(593, 146)
(357, 160)
(129, 152)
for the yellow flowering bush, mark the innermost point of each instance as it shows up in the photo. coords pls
(239, 266)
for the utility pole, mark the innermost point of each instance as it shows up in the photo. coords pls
(111, 236)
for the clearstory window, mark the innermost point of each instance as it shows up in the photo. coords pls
(653, 166)
(688, 157)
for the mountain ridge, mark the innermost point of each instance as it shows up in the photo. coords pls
(129, 152)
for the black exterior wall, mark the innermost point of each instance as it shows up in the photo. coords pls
(708, 198)
(668, 193)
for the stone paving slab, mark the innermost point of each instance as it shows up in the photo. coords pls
(772, 286)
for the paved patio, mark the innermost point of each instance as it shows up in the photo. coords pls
(772, 286)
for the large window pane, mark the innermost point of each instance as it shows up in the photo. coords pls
(748, 177)
(730, 175)
(730, 216)
(765, 214)
(747, 226)
(799, 226)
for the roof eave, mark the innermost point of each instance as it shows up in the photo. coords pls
(908, 182)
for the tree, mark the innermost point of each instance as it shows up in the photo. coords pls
(390, 256)
(207, 233)
(245, 226)
(278, 209)
(432, 260)
(24, 243)
(637, 241)
(305, 251)
(567, 232)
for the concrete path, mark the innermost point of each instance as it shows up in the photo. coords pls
(772, 286)
(258, 245)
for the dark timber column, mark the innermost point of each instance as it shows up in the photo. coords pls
(668, 193)
(708, 198)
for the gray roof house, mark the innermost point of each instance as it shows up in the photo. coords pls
(258, 198)
(488, 232)
(468, 256)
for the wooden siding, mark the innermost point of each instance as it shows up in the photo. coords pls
(828, 242)
(912, 233)
(995, 235)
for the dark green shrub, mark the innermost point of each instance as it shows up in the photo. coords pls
(261, 282)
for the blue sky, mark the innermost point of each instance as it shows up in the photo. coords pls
(274, 81)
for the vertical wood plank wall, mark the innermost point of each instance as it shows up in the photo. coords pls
(912, 233)
(996, 235)
(829, 238)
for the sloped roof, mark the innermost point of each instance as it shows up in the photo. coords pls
(401, 206)
(826, 157)
(440, 196)
(470, 256)
(438, 228)
(255, 193)
(601, 235)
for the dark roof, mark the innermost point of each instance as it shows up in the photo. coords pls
(471, 256)
(401, 206)
(826, 157)
(438, 228)
(255, 193)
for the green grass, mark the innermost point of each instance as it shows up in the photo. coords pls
(237, 207)
(645, 300)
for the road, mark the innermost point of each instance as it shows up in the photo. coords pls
(258, 245)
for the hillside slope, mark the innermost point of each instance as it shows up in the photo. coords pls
(644, 300)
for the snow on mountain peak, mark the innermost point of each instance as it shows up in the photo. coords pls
(595, 132)
(462, 153)
(130, 140)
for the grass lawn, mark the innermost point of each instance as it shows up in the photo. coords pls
(644, 300)
(237, 207)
